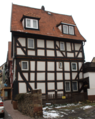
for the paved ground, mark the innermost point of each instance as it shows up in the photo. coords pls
(13, 114)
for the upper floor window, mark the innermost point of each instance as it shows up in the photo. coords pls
(30, 43)
(31, 23)
(67, 29)
(24, 65)
(74, 66)
(62, 47)
(60, 65)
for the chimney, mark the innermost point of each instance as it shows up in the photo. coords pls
(43, 8)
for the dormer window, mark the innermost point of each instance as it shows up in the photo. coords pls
(68, 29)
(31, 23)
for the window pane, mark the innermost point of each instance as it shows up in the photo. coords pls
(74, 85)
(60, 65)
(67, 86)
(62, 46)
(65, 29)
(31, 43)
(34, 23)
(74, 66)
(28, 22)
(24, 65)
(71, 30)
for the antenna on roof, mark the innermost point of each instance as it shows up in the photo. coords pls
(43, 8)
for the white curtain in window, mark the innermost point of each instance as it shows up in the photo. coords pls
(71, 30)
(65, 29)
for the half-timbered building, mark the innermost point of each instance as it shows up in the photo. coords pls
(47, 51)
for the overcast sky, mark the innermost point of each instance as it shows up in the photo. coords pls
(82, 11)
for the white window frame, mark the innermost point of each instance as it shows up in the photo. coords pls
(26, 23)
(73, 30)
(36, 23)
(67, 29)
(22, 65)
(77, 86)
(72, 67)
(69, 86)
(63, 46)
(28, 43)
(61, 64)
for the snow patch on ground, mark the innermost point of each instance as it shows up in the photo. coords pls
(50, 114)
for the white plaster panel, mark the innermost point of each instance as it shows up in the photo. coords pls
(59, 54)
(59, 85)
(23, 23)
(22, 88)
(59, 92)
(51, 93)
(50, 66)
(57, 43)
(50, 76)
(70, 54)
(40, 65)
(32, 76)
(80, 75)
(58, 69)
(32, 85)
(41, 86)
(86, 75)
(20, 52)
(50, 53)
(22, 41)
(51, 86)
(40, 76)
(68, 46)
(77, 46)
(19, 77)
(66, 66)
(80, 65)
(59, 76)
(32, 65)
(91, 91)
(41, 52)
(40, 43)
(50, 44)
(31, 52)
(67, 76)
(80, 55)
(26, 76)
(60, 28)
(74, 75)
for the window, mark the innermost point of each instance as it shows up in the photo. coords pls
(67, 29)
(60, 65)
(24, 65)
(75, 86)
(67, 86)
(71, 30)
(30, 43)
(74, 66)
(62, 46)
(32, 23)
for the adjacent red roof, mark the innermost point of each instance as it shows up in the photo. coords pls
(9, 51)
(47, 23)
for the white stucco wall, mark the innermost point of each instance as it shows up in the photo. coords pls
(40, 43)
(50, 44)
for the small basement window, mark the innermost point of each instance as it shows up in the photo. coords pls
(24, 65)
(30, 43)
(62, 46)
(75, 86)
(74, 66)
(67, 86)
(60, 65)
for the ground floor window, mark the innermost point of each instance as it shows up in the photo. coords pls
(67, 86)
(75, 86)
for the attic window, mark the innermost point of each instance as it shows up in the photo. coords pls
(31, 23)
(68, 29)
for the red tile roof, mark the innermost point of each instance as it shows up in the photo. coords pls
(9, 52)
(47, 23)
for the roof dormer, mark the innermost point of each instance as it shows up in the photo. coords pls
(66, 28)
(29, 22)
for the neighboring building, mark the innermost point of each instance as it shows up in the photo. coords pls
(47, 51)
